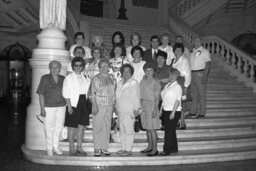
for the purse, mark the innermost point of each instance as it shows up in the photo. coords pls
(137, 124)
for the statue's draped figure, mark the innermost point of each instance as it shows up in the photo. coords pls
(53, 14)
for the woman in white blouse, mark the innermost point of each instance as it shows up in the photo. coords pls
(181, 63)
(127, 108)
(75, 88)
(137, 63)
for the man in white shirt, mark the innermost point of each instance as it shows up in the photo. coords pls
(200, 61)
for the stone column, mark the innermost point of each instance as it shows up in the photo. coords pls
(51, 46)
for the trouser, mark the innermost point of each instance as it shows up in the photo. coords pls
(126, 125)
(198, 94)
(53, 124)
(101, 126)
(170, 137)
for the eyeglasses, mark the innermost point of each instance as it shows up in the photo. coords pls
(79, 65)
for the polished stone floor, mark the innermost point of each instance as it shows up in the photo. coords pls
(12, 131)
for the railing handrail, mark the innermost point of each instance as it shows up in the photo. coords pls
(232, 47)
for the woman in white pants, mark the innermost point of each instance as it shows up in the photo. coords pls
(53, 106)
(127, 108)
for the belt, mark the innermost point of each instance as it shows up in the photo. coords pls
(197, 70)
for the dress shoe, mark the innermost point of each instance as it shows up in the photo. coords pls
(164, 154)
(120, 152)
(190, 115)
(200, 116)
(183, 127)
(104, 151)
(97, 153)
(174, 151)
(146, 151)
(58, 151)
(49, 152)
(151, 155)
(126, 153)
(81, 152)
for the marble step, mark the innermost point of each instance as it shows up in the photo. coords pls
(202, 133)
(184, 157)
(230, 91)
(228, 103)
(232, 98)
(183, 145)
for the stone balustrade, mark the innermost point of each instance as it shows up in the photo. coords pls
(238, 62)
(184, 5)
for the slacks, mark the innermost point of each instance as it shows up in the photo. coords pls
(126, 126)
(198, 94)
(53, 124)
(170, 137)
(101, 126)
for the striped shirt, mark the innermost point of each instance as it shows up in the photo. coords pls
(103, 89)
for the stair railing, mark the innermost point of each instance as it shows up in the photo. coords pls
(238, 62)
(185, 5)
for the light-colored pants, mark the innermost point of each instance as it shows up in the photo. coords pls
(126, 125)
(198, 94)
(101, 126)
(53, 124)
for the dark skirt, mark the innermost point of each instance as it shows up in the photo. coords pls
(80, 115)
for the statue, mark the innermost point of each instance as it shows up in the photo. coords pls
(53, 14)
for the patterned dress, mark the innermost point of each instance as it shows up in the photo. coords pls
(148, 87)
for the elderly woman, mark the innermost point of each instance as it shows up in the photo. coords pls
(75, 88)
(97, 41)
(150, 90)
(162, 70)
(171, 111)
(52, 105)
(102, 95)
(137, 63)
(92, 68)
(127, 108)
(135, 40)
(181, 63)
(117, 61)
(165, 46)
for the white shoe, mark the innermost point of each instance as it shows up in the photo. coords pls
(120, 151)
(49, 152)
(58, 151)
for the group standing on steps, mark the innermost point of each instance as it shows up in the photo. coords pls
(161, 85)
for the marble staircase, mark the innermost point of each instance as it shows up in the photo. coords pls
(227, 133)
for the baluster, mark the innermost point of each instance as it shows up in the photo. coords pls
(239, 64)
(228, 57)
(217, 48)
(246, 68)
(234, 60)
(252, 73)
(212, 47)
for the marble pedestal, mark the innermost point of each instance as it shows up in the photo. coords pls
(51, 46)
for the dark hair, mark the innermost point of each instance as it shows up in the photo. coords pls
(137, 48)
(135, 34)
(79, 34)
(161, 53)
(155, 37)
(96, 48)
(77, 59)
(179, 36)
(120, 35)
(127, 66)
(148, 65)
(120, 45)
(178, 46)
(174, 71)
(78, 47)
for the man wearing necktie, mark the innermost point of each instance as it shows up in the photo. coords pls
(150, 54)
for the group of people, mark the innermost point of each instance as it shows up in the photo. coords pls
(130, 82)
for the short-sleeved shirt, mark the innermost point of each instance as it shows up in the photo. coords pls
(170, 94)
(198, 58)
(51, 91)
